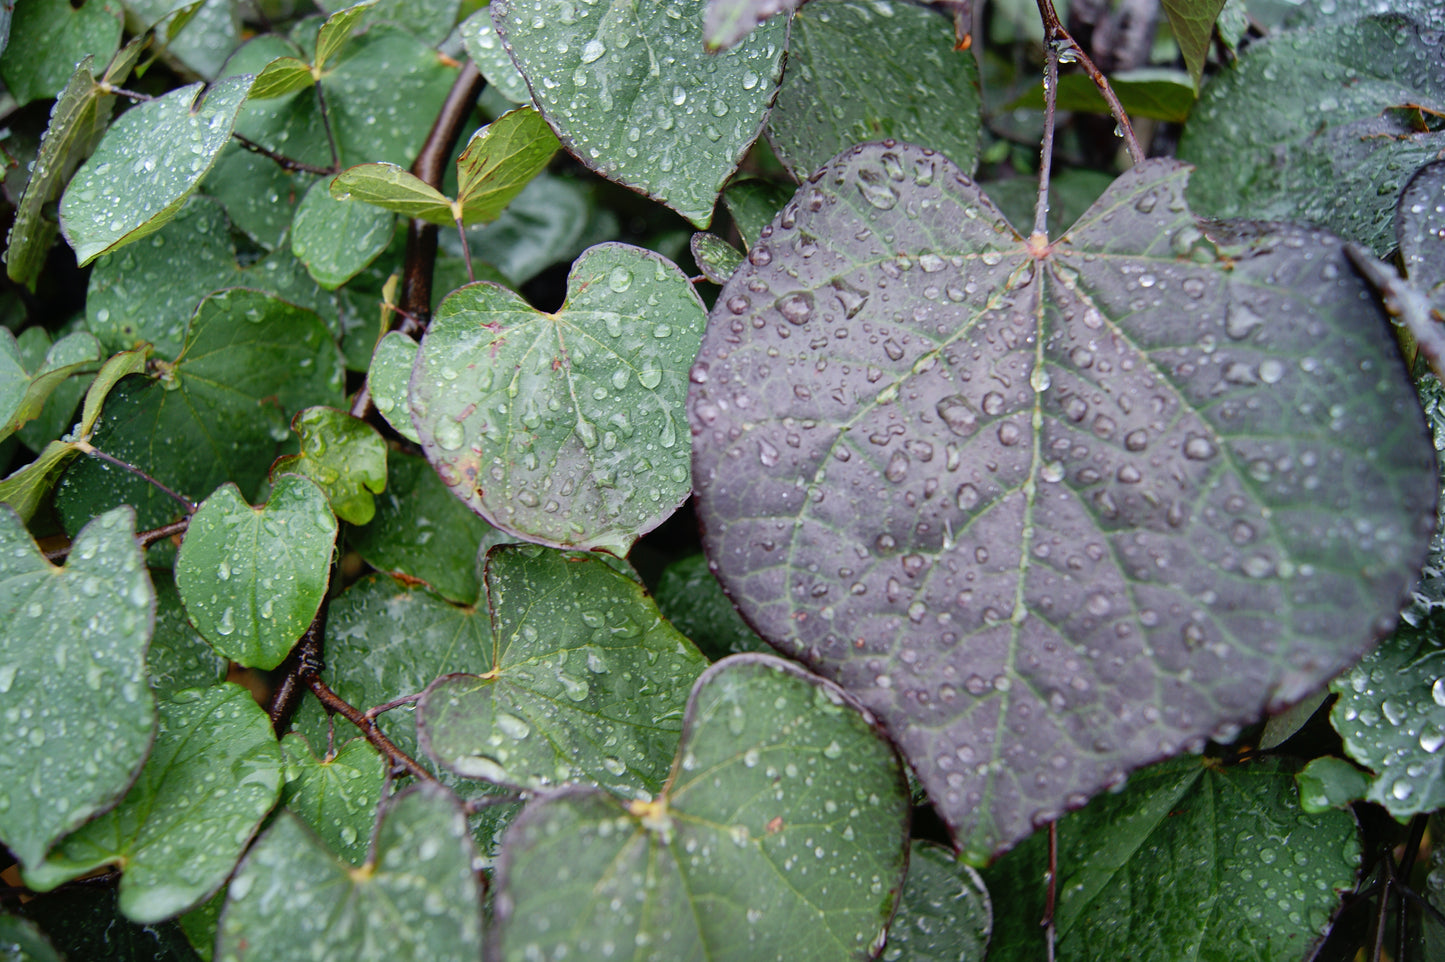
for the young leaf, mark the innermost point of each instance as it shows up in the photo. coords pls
(336, 240)
(344, 456)
(336, 796)
(586, 681)
(282, 76)
(252, 578)
(148, 163)
(415, 898)
(501, 159)
(715, 257)
(856, 72)
(591, 453)
(781, 835)
(23, 393)
(49, 37)
(945, 914)
(214, 773)
(430, 21)
(728, 21)
(1193, 24)
(487, 52)
(79, 734)
(335, 33)
(1053, 509)
(637, 97)
(396, 189)
(1224, 853)
(388, 378)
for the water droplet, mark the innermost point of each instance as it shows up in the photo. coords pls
(593, 51)
(958, 415)
(620, 279)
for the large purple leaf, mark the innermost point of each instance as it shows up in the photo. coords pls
(1053, 511)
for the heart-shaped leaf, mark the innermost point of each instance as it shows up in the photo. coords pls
(213, 774)
(564, 428)
(147, 164)
(344, 456)
(337, 795)
(945, 914)
(1053, 509)
(501, 159)
(75, 737)
(337, 239)
(781, 835)
(415, 898)
(637, 97)
(253, 578)
(586, 681)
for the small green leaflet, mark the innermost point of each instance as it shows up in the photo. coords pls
(1193, 24)
(337, 239)
(344, 456)
(23, 393)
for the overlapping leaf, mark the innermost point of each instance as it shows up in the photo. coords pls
(564, 428)
(344, 456)
(945, 914)
(689, 597)
(50, 37)
(79, 715)
(1053, 510)
(486, 50)
(337, 795)
(1420, 231)
(337, 239)
(23, 392)
(1192, 22)
(633, 93)
(178, 656)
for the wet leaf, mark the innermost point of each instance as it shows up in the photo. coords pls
(337, 796)
(389, 377)
(1053, 512)
(147, 164)
(551, 221)
(781, 834)
(715, 257)
(23, 392)
(20, 940)
(1328, 782)
(253, 578)
(637, 97)
(1225, 854)
(1071, 192)
(486, 50)
(728, 21)
(591, 453)
(57, 415)
(48, 38)
(500, 160)
(421, 531)
(585, 681)
(945, 914)
(418, 898)
(200, 36)
(75, 736)
(178, 656)
(249, 362)
(1192, 22)
(861, 70)
(1305, 127)
(1146, 92)
(282, 76)
(1391, 715)
(1420, 231)
(260, 198)
(1283, 726)
(689, 596)
(335, 33)
(336, 240)
(344, 456)
(394, 188)
(753, 204)
(213, 774)
(428, 20)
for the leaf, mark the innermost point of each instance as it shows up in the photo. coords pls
(501, 159)
(1071, 192)
(200, 39)
(336, 796)
(417, 898)
(716, 258)
(1420, 231)
(282, 76)
(396, 189)
(178, 656)
(945, 913)
(23, 394)
(690, 597)
(253, 578)
(753, 204)
(1391, 715)
(781, 786)
(423, 533)
(1161, 94)
(214, 773)
(1224, 852)
(1283, 726)
(728, 21)
(335, 33)
(336, 240)
(344, 456)
(56, 415)
(857, 70)
(49, 37)
(1327, 783)
(1304, 128)
(259, 196)
(388, 378)
(20, 940)
(585, 681)
(486, 51)
(551, 221)
(1053, 511)
(638, 99)
(77, 736)
(147, 164)
(592, 452)
(249, 362)
(429, 20)
(1192, 22)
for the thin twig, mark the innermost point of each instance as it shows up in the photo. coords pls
(1050, 902)
(466, 252)
(1056, 36)
(1377, 935)
(398, 758)
(285, 163)
(107, 88)
(86, 448)
(145, 538)
(326, 125)
(1046, 155)
(1413, 841)
(376, 711)
(300, 667)
(483, 802)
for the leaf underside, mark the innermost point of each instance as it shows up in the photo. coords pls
(1052, 512)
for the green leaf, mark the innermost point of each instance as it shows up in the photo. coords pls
(417, 898)
(486, 50)
(857, 70)
(1224, 854)
(22, 394)
(592, 453)
(344, 456)
(423, 533)
(1154, 92)
(715, 257)
(1391, 715)
(689, 596)
(1310, 126)
(551, 221)
(213, 774)
(336, 240)
(147, 164)
(200, 36)
(335, 33)
(1283, 726)
(1071, 506)
(393, 188)
(1071, 192)
(178, 656)
(388, 378)
(501, 159)
(781, 834)
(282, 76)
(253, 578)
(429, 20)
(249, 362)
(75, 736)
(57, 414)
(1192, 22)
(585, 683)
(753, 204)
(48, 38)
(20, 940)
(638, 98)
(336, 796)
(1327, 783)
(945, 914)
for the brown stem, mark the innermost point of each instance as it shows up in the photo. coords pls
(300, 667)
(326, 125)
(284, 162)
(1059, 39)
(144, 538)
(398, 758)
